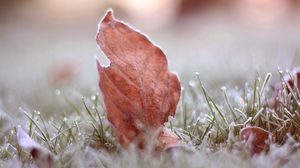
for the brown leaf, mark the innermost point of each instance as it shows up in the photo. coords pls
(298, 77)
(274, 103)
(64, 71)
(138, 89)
(167, 140)
(257, 138)
(296, 74)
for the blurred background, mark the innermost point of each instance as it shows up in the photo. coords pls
(48, 47)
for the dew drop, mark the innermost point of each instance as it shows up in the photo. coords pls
(223, 88)
(192, 83)
(57, 92)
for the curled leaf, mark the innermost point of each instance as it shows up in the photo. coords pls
(139, 91)
(256, 138)
(42, 157)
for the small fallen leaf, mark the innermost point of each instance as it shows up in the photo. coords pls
(256, 138)
(298, 77)
(168, 140)
(43, 158)
(139, 91)
(278, 87)
(296, 73)
(63, 72)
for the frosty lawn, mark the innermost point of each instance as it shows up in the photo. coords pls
(208, 124)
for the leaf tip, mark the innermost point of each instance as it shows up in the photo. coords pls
(108, 16)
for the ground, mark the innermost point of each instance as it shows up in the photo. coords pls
(207, 120)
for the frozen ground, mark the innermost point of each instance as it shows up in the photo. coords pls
(34, 43)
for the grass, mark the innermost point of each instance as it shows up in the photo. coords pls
(208, 120)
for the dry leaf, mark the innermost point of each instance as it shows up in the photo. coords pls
(274, 102)
(168, 140)
(296, 73)
(43, 158)
(256, 138)
(63, 72)
(139, 91)
(298, 77)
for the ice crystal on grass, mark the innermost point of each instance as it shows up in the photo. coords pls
(209, 123)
